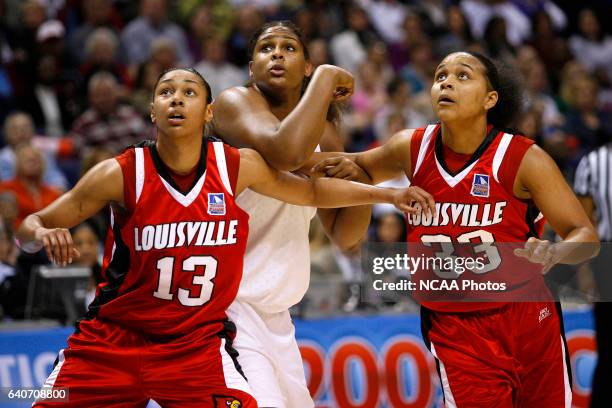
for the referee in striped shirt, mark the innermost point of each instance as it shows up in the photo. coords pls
(593, 186)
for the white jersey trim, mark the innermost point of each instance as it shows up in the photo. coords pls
(500, 153)
(429, 130)
(222, 166)
(140, 172)
(185, 200)
(452, 181)
(50, 381)
(449, 398)
(566, 384)
(233, 378)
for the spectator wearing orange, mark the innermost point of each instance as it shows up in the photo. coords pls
(27, 186)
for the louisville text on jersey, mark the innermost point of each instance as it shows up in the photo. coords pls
(184, 234)
(458, 214)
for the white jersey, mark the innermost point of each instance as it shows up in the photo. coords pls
(276, 271)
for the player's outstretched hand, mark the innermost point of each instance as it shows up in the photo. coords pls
(405, 198)
(342, 167)
(539, 251)
(58, 244)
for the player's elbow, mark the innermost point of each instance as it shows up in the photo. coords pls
(286, 160)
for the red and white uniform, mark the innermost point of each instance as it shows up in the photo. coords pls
(173, 262)
(497, 354)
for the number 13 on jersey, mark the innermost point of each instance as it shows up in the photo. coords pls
(165, 267)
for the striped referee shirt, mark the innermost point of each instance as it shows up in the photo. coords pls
(594, 178)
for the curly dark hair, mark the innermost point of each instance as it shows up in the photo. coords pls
(334, 112)
(509, 89)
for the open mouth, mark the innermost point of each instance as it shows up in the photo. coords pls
(445, 100)
(176, 118)
(277, 70)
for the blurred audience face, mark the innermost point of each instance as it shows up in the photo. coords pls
(537, 80)
(33, 14)
(18, 129)
(29, 163)
(200, 22)
(588, 23)
(369, 75)
(103, 95)
(357, 19)
(97, 12)
(154, 10)
(248, 20)
(390, 228)
(163, 53)
(529, 124)
(455, 22)
(319, 54)
(214, 50)
(101, 47)
(377, 53)
(585, 95)
(86, 242)
(6, 244)
(47, 70)
(401, 96)
(8, 208)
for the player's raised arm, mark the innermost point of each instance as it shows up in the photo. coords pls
(322, 192)
(244, 118)
(48, 227)
(382, 163)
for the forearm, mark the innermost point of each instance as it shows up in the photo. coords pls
(348, 225)
(580, 245)
(337, 193)
(300, 132)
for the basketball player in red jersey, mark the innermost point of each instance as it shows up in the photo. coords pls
(489, 354)
(157, 328)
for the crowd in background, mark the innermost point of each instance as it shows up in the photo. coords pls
(76, 79)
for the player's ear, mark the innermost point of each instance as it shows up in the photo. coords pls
(250, 69)
(152, 113)
(208, 112)
(308, 69)
(491, 99)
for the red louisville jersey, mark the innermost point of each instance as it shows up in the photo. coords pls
(475, 205)
(173, 259)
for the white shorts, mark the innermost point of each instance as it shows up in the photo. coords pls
(270, 357)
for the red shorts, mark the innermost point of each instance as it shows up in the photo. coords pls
(106, 365)
(511, 356)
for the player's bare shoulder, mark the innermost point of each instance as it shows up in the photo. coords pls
(236, 99)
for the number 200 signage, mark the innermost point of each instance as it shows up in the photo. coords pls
(355, 375)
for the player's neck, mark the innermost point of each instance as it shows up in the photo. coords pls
(282, 101)
(181, 156)
(464, 138)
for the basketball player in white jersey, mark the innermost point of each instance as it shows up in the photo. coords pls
(285, 113)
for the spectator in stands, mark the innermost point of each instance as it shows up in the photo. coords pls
(200, 22)
(479, 12)
(592, 46)
(419, 71)
(219, 73)
(399, 101)
(495, 41)
(8, 208)
(140, 97)
(152, 23)
(31, 192)
(458, 36)
(551, 47)
(588, 125)
(101, 55)
(18, 130)
(387, 17)
(319, 52)
(247, 19)
(8, 255)
(107, 123)
(87, 241)
(163, 53)
(98, 14)
(348, 48)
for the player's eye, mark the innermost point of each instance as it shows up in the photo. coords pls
(463, 75)
(266, 47)
(291, 48)
(165, 91)
(190, 92)
(441, 76)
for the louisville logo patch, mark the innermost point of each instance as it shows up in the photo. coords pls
(480, 185)
(216, 203)
(226, 401)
